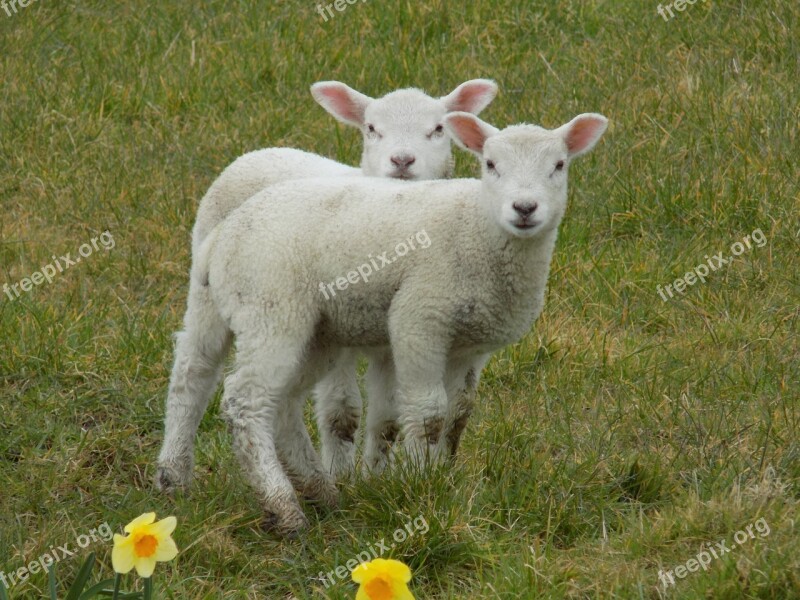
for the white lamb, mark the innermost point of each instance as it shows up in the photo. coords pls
(478, 287)
(403, 138)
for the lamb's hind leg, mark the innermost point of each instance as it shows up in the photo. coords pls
(338, 409)
(256, 400)
(382, 427)
(308, 474)
(200, 351)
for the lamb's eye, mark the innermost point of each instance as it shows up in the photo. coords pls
(371, 128)
(560, 165)
(490, 165)
(437, 132)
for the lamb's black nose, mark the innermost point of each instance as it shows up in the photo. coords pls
(525, 210)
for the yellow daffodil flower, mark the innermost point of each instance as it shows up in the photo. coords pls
(149, 542)
(382, 579)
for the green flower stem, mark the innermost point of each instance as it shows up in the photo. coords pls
(117, 582)
(148, 588)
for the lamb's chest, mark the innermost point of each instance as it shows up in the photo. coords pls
(489, 324)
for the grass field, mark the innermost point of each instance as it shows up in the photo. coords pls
(617, 439)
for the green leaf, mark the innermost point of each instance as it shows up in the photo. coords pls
(3, 593)
(82, 578)
(96, 589)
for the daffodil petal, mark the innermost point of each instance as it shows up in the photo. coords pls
(401, 592)
(360, 572)
(145, 566)
(397, 570)
(166, 550)
(164, 527)
(379, 564)
(122, 558)
(361, 594)
(144, 519)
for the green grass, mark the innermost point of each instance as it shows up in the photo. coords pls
(616, 439)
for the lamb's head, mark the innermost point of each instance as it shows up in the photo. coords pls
(525, 167)
(403, 131)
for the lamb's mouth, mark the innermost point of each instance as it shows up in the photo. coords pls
(405, 176)
(526, 224)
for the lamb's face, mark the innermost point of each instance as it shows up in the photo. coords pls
(525, 178)
(404, 136)
(525, 167)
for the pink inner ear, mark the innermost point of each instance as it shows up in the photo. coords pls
(471, 97)
(341, 103)
(469, 132)
(582, 134)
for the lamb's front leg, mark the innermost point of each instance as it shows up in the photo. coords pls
(420, 357)
(462, 379)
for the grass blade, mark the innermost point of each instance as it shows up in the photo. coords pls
(51, 581)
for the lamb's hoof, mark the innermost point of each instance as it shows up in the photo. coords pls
(340, 466)
(288, 526)
(343, 470)
(169, 479)
(322, 493)
(375, 465)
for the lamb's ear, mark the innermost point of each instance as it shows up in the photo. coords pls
(468, 131)
(471, 96)
(342, 101)
(583, 132)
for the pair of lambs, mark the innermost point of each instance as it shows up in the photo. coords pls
(404, 139)
(428, 322)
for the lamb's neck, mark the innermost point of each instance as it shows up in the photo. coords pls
(531, 259)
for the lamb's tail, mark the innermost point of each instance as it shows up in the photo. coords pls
(201, 259)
